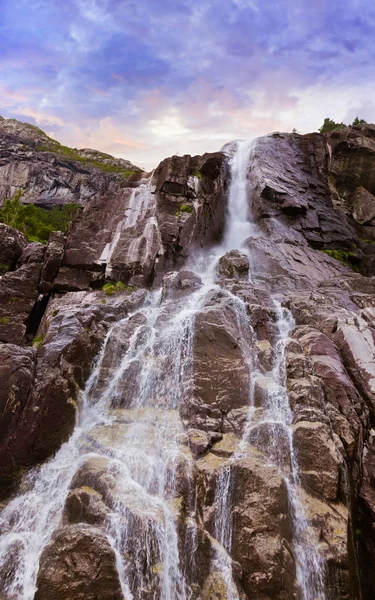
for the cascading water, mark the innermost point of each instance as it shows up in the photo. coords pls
(136, 429)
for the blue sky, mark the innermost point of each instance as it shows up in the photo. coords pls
(145, 79)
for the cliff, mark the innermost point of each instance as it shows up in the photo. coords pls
(212, 430)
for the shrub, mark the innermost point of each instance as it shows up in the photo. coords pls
(186, 208)
(34, 222)
(112, 288)
(330, 125)
(344, 256)
(38, 341)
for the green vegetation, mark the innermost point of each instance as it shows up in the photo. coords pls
(38, 341)
(4, 320)
(344, 256)
(4, 268)
(73, 154)
(330, 125)
(112, 288)
(186, 208)
(53, 312)
(197, 174)
(36, 223)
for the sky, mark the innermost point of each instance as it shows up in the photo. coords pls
(146, 79)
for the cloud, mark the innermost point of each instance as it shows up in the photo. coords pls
(145, 78)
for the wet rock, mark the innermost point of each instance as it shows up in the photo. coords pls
(317, 457)
(69, 337)
(179, 284)
(17, 366)
(261, 527)
(85, 505)
(220, 380)
(79, 563)
(234, 264)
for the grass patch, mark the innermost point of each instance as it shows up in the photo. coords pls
(4, 268)
(186, 208)
(4, 320)
(112, 288)
(73, 154)
(197, 174)
(345, 257)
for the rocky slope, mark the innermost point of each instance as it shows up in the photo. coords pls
(312, 199)
(50, 174)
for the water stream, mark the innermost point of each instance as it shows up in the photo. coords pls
(136, 429)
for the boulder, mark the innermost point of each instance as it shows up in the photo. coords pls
(78, 563)
(12, 243)
(234, 264)
(363, 203)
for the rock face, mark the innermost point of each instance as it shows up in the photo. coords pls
(220, 422)
(50, 174)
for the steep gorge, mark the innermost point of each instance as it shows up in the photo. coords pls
(205, 429)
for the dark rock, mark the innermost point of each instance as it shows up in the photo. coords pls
(363, 203)
(17, 366)
(18, 293)
(79, 563)
(32, 253)
(12, 243)
(53, 258)
(85, 505)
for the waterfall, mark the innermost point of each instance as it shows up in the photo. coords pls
(137, 430)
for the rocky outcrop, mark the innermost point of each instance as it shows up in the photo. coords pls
(139, 233)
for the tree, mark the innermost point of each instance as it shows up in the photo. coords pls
(358, 121)
(34, 222)
(330, 125)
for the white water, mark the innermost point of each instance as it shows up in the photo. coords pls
(139, 432)
(141, 209)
